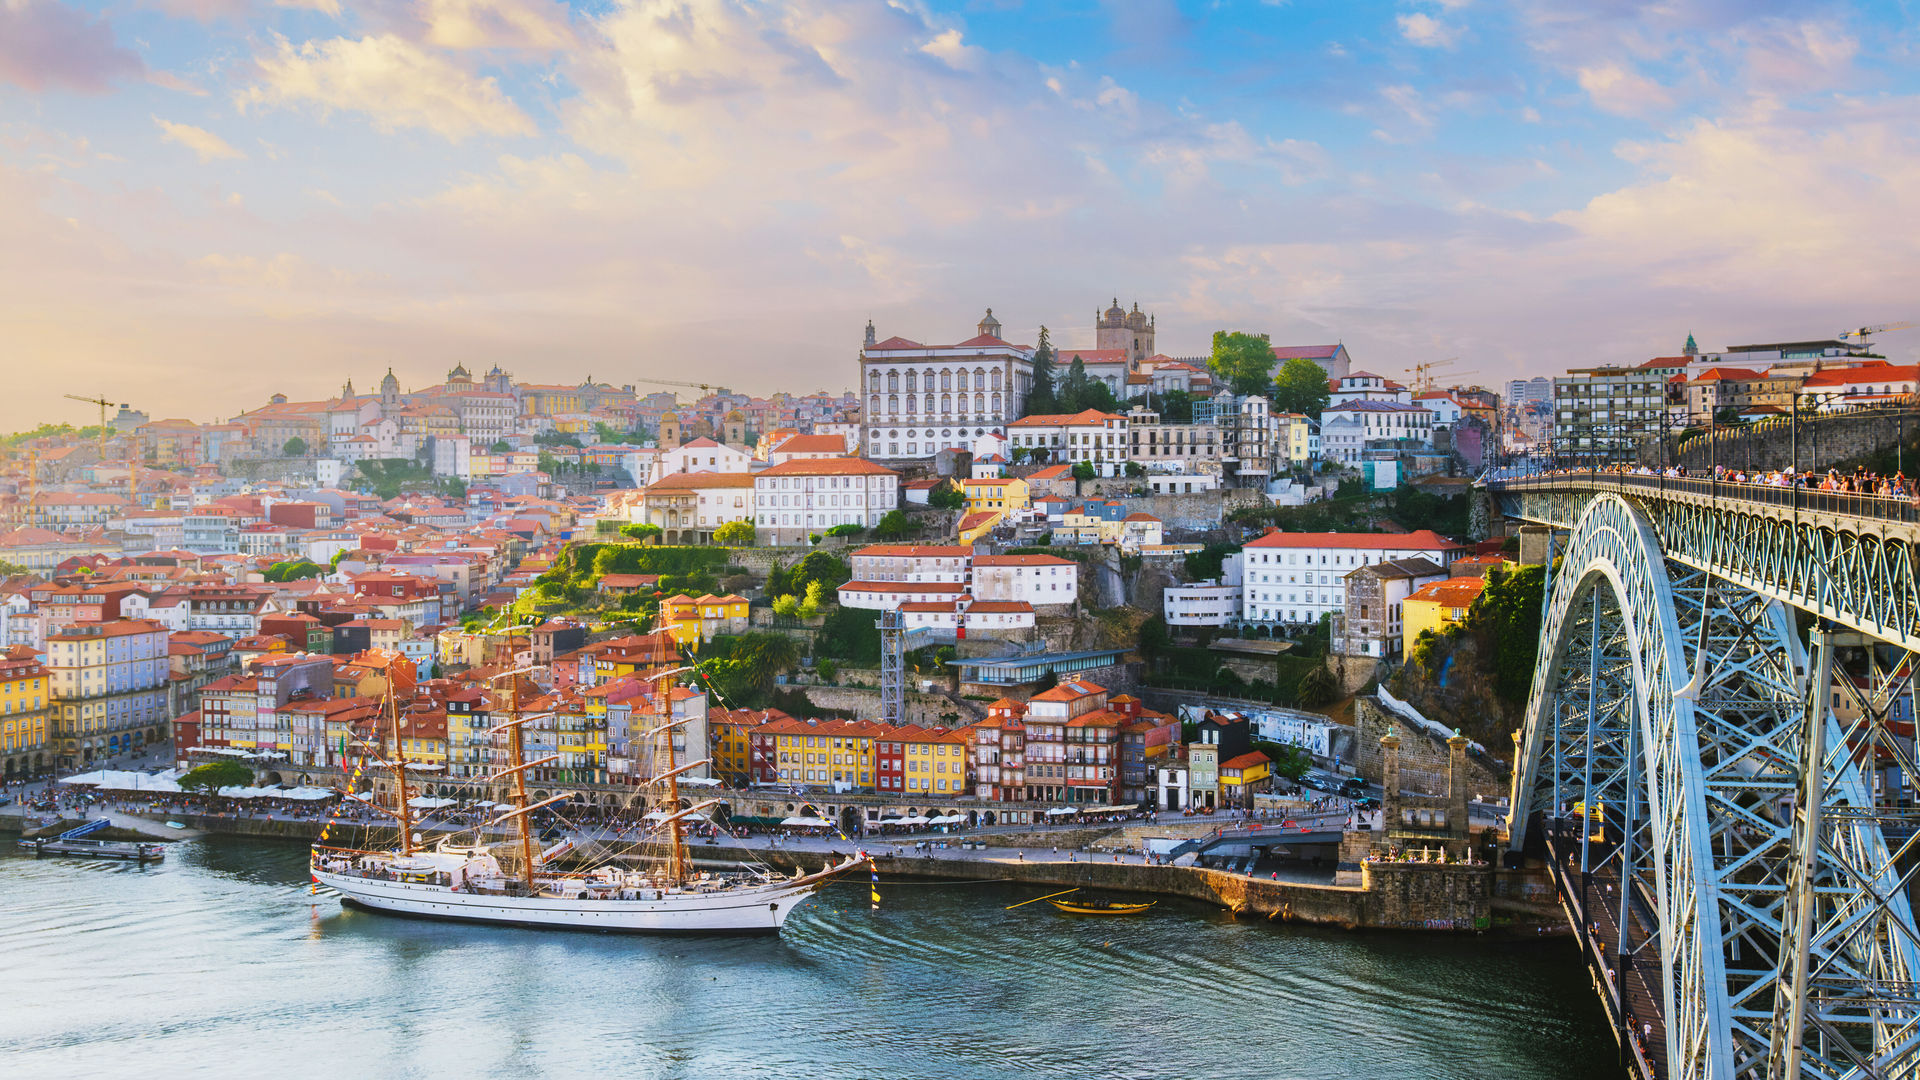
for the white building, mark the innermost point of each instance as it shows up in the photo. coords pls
(966, 614)
(1298, 577)
(1366, 386)
(949, 563)
(921, 399)
(453, 455)
(1206, 603)
(1039, 580)
(1346, 429)
(797, 498)
(701, 455)
(1097, 438)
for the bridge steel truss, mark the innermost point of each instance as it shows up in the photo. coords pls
(1676, 702)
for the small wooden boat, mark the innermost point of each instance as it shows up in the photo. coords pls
(1099, 907)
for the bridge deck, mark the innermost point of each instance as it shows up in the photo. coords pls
(1592, 904)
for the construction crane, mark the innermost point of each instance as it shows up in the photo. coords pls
(705, 387)
(1869, 331)
(100, 443)
(1423, 373)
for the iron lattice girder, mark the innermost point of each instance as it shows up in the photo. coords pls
(1711, 694)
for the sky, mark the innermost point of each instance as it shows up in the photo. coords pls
(204, 202)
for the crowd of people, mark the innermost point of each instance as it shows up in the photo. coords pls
(1856, 481)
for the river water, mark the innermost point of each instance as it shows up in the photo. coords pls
(220, 964)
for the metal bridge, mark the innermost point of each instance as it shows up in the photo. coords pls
(1746, 785)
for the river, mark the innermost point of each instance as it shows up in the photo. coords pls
(219, 963)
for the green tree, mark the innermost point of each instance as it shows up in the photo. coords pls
(1136, 469)
(214, 775)
(946, 497)
(292, 570)
(787, 606)
(1153, 636)
(1241, 361)
(644, 532)
(735, 534)
(337, 556)
(500, 447)
(826, 669)
(1083, 470)
(1300, 386)
(294, 447)
(821, 567)
(1019, 455)
(1289, 761)
(814, 539)
(1316, 688)
(1073, 388)
(1176, 405)
(1505, 623)
(9, 569)
(1042, 396)
(815, 599)
(558, 438)
(849, 634)
(848, 529)
(893, 526)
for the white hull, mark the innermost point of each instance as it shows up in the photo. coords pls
(755, 910)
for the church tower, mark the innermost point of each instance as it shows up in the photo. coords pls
(989, 326)
(671, 434)
(734, 428)
(1132, 331)
(1691, 349)
(389, 393)
(869, 343)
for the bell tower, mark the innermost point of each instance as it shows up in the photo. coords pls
(990, 326)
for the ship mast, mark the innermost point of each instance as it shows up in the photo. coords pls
(677, 867)
(516, 752)
(398, 760)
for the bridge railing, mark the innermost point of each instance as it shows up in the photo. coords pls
(1811, 500)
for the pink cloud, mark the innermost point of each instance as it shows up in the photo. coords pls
(46, 45)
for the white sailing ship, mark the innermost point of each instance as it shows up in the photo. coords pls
(469, 882)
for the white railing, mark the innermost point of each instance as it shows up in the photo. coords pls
(1413, 716)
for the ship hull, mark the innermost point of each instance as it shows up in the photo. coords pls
(748, 911)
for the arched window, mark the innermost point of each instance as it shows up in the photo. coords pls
(874, 404)
(979, 403)
(946, 379)
(996, 378)
(893, 380)
(910, 380)
(946, 406)
(996, 404)
(963, 380)
(910, 396)
(873, 381)
(893, 403)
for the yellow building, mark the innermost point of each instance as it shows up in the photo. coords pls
(1241, 775)
(988, 493)
(934, 760)
(978, 524)
(1297, 430)
(822, 752)
(25, 705)
(694, 620)
(1437, 606)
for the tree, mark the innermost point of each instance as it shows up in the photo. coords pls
(946, 497)
(815, 599)
(647, 532)
(1300, 386)
(826, 669)
(214, 775)
(1241, 361)
(1289, 761)
(735, 534)
(1074, 386)
(849, 529)
(500, 447)
(893, 526)
(294, 447)
(787, 606)
(1041, 398)
(821, 567)
(8, 569)
(1019, 455)
(1316, 688)
(1136, 469)
(1083, 470)
(814, 539)
(1153, 635)
(292, 570)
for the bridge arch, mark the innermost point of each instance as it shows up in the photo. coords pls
(1667, 707)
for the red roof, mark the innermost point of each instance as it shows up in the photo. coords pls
(896, 342)
(843, 466)
(916, 550)
(1084, 417)
(952, 587)
(1248, 760)
(1453, 592)
(1021, 560)
(1423, 539)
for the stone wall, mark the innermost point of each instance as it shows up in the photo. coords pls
(1353, 673)
(1426, 896)
(922, 709)
(1770, 444)
(1423, 758)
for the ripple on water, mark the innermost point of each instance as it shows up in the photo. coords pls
(221, 955)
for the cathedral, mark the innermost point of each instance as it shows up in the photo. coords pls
(1117, 328)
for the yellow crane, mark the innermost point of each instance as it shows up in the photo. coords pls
(1869, 331)
(1423, 373)
(705, 387)
(100, 442)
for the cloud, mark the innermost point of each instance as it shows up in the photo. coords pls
(394, 82)
(46, 45)
(206, 144)
(1622, 91)
(324, 7)
(540, 25)
(1428, 32)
